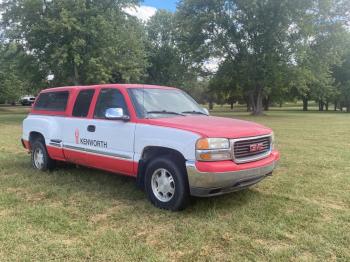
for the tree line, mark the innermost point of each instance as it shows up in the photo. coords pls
(258, 52)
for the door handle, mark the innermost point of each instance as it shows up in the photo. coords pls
(91, 128)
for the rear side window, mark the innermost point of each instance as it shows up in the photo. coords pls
(82, 103)
(109, 98)
(52, 101)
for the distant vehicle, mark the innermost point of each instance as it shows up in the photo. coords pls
(27, 100)
(159, 135)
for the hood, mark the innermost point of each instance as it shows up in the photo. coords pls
(211, 126)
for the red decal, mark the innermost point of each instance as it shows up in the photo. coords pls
(77, 136)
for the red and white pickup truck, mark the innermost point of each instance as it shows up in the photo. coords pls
(159, 135)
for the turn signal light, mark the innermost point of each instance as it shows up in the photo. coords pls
(212, 143)
(205, 156)
(202, 144)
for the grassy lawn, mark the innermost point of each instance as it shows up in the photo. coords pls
(302, 212)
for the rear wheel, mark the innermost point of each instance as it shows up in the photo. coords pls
(40, 158)
(166, 184)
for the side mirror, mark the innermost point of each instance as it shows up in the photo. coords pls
(116, 114)
(206, 111)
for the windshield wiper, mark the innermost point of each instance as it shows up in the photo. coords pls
(194, 112)
(164, 112)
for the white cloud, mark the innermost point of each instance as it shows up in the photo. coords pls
(142, 12)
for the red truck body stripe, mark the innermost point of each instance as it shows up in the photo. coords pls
(110, 164)
(55, 153)
(106, 163)
(26, 144)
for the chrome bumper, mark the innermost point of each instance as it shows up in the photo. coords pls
(210, 184)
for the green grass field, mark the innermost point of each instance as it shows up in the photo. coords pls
(301, 213)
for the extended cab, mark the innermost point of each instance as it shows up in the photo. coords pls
(159, 135)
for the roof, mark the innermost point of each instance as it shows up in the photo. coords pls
(120, 86)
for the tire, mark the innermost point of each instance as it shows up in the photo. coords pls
(166, 184)
(39, 156)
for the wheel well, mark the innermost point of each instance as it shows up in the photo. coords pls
(150, 153)
(35, 136)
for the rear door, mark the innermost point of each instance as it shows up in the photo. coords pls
(75, 126)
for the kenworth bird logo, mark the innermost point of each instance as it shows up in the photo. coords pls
(76, 136)
(256, 147)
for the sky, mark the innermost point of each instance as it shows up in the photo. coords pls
(169, 5)
(149, 7)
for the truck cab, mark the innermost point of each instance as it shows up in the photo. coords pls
(157, 134)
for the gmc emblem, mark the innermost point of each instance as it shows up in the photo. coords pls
(256, 147)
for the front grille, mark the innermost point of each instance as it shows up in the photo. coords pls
(251, 149)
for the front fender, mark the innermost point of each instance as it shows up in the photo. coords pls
(176, 139)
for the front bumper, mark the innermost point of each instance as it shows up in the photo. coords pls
(209, 183)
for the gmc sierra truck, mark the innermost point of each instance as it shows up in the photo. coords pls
(159, 135)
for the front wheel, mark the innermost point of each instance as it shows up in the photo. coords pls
(40, 158)
(166, 184)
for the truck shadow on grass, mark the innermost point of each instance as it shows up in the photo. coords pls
(124, 188)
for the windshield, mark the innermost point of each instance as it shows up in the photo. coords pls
(151, 103)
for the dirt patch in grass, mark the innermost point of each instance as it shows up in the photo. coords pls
(27, 195)
(108, 213)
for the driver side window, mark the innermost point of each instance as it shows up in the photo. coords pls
(109, 98)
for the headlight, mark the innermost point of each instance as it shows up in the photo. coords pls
(213, 149)
(272, 141)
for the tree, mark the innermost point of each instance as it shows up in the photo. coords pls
(228, 83)
(168, 63)
(19, 73)
(267, 41)
(256, 35)
(319, 48)
(341, 75)
(80, 42)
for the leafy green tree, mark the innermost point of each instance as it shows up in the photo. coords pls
(267, 41)
(168, 63)
(320, 46)
(256, 36)
(228, 83)
(341, 74)
(80, 41)
(19, 73)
